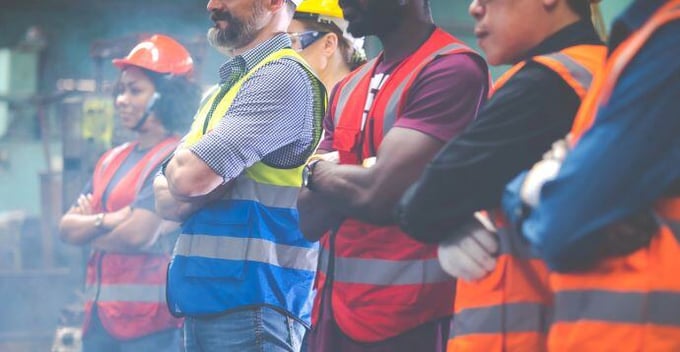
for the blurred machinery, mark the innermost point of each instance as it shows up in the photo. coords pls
(55, 140)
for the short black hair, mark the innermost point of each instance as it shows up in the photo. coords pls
(581, 7)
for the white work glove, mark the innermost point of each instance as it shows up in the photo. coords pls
(542, 172)
(471, 255)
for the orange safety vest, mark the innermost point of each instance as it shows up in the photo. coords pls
(510, 309)
(128, 289)
(628, 303)
(382, 282)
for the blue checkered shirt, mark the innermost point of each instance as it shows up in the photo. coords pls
(271, 118)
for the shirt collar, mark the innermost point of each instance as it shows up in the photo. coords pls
(578, 33)
(244, 62)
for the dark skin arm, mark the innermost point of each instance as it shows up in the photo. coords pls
(137, 232)
(367, 194)
(123, 230)
(318, 217)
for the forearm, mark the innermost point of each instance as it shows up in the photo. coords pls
(316, 216)
(188, 178)
(168, 207)
(449, 193)
(80, 229)
(138, 231)
(471, 171)
(350, 190)
(124, 241)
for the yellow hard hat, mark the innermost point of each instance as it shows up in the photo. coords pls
(328, 8)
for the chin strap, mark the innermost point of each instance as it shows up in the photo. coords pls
(147, 111)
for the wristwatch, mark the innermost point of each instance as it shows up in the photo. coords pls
(99, 220)
(307, 174)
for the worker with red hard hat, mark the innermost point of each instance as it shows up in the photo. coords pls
(125, 308)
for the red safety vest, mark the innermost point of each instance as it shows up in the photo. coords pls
(628, 303)
(382, 282)
(510, 309)
(128, 289)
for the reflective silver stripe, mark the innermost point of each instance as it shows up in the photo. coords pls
(502, 318)
(109, 158)
(90, 292)
(268, 195)
(349, 88)
(661, 308)
(512, 244)
(384, 272)
(153, 163)
(395, 100)
(582, 75)
(250, 249)
(127, 293)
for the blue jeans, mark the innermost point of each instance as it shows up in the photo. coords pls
(258, 329)
(98, 339)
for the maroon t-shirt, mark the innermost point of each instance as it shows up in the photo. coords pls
(443, 99)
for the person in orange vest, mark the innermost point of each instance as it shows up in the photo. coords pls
(503, 301)
(125, 282)
(377, 289)
(603, 208)
(318, 32)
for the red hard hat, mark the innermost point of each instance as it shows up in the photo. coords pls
(159, 53)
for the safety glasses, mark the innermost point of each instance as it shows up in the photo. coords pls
(304, 39)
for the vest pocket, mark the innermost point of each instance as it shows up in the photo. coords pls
(216, 245)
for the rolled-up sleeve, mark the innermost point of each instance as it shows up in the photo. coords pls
(516, 126)
(268, 113)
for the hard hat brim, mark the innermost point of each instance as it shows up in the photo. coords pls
(125, 63)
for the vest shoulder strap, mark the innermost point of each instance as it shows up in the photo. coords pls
(196, 131)
(576, 65)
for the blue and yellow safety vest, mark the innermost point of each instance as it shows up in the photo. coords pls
(246, 249)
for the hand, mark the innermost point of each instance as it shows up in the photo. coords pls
(84, 206)
(558, 151)
(542, 172)
(471, 255)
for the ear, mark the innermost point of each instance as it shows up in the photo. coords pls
(550, 4)
(330, 43)
(275, 4)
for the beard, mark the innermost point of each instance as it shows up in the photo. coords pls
(378, 17)
(239, 31)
